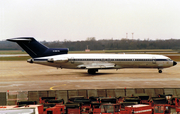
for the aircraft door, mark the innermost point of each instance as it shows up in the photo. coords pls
(72, 60)
(153, 60)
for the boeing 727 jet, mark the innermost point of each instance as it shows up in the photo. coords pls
(59, 57)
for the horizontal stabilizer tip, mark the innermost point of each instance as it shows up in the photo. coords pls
(20, 39)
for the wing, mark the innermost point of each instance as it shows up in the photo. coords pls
(97, 66)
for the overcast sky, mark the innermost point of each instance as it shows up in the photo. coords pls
(78, 19)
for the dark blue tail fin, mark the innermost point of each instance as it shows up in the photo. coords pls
(36, 49)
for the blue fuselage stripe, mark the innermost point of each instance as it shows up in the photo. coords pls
(109, 59)
(40, 59)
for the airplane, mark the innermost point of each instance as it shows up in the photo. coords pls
(59, 58)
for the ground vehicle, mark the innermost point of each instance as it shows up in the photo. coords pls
(123, 106)
(110, 108)
(108, 100)
(160, 105)
(175, 103)
(85, 105)
(144, 98)
(167, 96)
(73, 108)
(139, 109)
(161, 109)
(94, 99)
(57, 109)
(132, 99)
(45, 99)
(28, 109)
(71, 99)
(120, 99)
(24, 103)
(95, 108)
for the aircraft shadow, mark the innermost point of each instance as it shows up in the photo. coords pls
(97, 74)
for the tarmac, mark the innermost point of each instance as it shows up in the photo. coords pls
(23, 76)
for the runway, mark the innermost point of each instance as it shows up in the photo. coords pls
(22, 76)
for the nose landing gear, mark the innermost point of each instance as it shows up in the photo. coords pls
(159, 70)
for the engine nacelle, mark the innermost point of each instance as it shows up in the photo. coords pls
(61, 60)
(30, 60)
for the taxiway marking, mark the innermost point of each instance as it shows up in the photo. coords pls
(52, 88)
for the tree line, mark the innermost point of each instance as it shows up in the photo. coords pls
(110, 44)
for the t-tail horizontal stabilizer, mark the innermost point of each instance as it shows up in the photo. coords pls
(36, 49)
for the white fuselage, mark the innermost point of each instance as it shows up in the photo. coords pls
(105, 61)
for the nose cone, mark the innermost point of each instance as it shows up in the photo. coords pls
(174, 63)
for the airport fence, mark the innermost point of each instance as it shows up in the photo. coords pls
(11, 97)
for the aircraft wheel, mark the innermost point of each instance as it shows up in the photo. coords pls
(92, 71)
(160, 71)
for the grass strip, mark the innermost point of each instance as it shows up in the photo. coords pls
(16, 58)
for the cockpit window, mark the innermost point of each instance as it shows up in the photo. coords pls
(169, 59)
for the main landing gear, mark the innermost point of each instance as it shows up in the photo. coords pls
(92, 71)
(160, 70)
